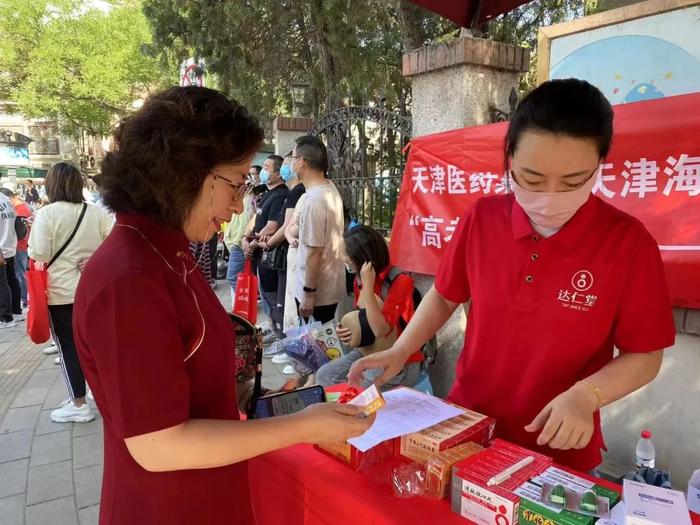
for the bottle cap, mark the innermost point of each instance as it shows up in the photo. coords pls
(646, 434)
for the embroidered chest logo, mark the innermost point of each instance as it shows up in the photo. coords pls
(579, 296)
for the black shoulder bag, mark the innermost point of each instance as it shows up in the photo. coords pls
(65, 244)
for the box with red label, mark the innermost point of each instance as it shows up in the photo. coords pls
(357, 460)
(483, 485)
(469, 426)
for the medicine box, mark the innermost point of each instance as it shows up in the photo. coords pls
(650, 505)
(474, 499)
(469, 426)
(438, 469)
(345, 452)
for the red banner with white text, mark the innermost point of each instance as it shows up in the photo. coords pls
(652, 173)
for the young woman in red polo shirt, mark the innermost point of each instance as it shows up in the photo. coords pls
(156, 345)
(557, 278)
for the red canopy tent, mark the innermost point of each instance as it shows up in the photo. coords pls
(469, 13)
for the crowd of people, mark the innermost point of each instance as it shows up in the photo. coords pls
(36, 222)
(302, 242)
(156, 345)
(19, 204)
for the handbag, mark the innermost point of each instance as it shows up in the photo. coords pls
(246, 303)
(38, 314)
(249, 351)
(37, 286)
(275, 258)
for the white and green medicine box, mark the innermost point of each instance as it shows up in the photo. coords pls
(535, 512)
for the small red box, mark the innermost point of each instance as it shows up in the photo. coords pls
(469, 426)
(357, 460)
(474, 499)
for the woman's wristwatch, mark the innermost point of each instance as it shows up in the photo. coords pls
(309, 290)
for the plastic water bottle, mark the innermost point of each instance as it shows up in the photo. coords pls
(645, 452)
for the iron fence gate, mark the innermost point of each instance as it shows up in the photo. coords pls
(366, 162)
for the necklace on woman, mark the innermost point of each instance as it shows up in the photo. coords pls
(199, 342)
(187, 272)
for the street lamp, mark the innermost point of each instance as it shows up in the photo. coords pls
(298, 96)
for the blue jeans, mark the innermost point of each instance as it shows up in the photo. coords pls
(236, 260)
(336, 371)
(21, 261)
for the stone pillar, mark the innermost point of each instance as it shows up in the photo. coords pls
(455, 86)
(287, 129)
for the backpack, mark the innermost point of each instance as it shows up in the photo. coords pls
(430, 348)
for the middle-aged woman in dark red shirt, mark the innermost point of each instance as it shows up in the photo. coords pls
(154, 341)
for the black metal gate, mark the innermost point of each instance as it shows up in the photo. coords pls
(366, 161)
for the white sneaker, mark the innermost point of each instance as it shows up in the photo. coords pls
(274, 349)
(269, 336)
(20, 317)
(281, 359)
(57, 361)
(69, 413)
(7, 324)
(51, 349)
(289, 370)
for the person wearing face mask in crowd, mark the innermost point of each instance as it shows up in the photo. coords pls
(156, 344)
(557, 278)
(279, 241)
(254, 174)
(267, 222)
(258, 189)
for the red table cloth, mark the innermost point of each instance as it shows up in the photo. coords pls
(301, 486)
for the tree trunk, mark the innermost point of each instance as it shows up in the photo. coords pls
(410, 19)
(308, 57)
(330, 71)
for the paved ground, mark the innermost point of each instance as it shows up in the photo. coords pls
(51, 473)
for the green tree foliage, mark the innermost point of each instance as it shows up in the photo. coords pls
(521, 25)
(348, 51)
(76, 61)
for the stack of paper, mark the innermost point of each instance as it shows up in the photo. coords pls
(406, 411)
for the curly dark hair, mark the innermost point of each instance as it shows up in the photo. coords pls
(163, 152)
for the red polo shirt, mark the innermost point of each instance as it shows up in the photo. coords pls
(546, 313)
(157, 349)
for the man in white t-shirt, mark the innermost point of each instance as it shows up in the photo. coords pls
(320, 276)
(9, 286)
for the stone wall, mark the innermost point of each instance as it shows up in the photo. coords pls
(287, 129)
(669, 407)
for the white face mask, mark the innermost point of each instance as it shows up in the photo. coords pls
(553, 210)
